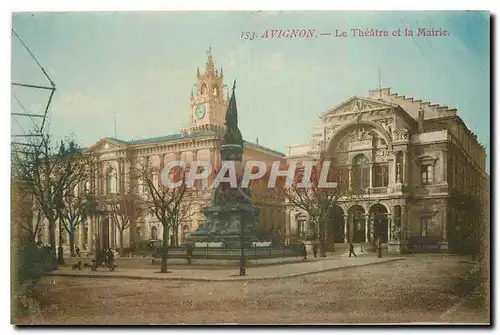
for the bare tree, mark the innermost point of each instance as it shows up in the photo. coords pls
(318, 201)
(48, 172)
(123, 210)
(165, 202)
(76, 208)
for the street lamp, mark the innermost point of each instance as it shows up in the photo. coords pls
(242, 245)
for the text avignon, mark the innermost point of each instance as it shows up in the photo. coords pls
(289, 33)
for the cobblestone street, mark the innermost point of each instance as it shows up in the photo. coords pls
(415, 289)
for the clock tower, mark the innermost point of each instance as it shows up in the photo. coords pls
(208, 104)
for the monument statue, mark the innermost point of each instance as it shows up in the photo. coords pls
(231, 213)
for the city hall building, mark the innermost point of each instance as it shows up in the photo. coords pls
(421, 172)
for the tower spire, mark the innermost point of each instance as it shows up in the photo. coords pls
(210, 62)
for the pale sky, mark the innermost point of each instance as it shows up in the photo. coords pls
(142, 66)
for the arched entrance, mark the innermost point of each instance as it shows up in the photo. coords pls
(335, 226)
(380, 222)
(357, 224)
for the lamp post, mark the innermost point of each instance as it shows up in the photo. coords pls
(242, 245)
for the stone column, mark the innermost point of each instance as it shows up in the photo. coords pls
(367, 222)
(405, 168)
(394, 177)
(372, 226)
(98, 178)
(404, 222)
(389, 226)
(444, 165)
(350, 176)
(395, 221)
(113, 232)
(371, 175)
(346, 232)
(444, 227)
(90, 237)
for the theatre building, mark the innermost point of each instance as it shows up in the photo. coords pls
(420, 171)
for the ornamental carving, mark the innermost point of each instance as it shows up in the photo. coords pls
(358, 106)
(401, 134)
(316, 144)
(359, 135)
(386, 124)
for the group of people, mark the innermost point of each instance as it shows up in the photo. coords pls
(315, 247)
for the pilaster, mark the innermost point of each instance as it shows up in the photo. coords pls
(346, 232)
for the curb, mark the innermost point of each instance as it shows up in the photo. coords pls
(217, 280)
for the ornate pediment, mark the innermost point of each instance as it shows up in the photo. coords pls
(357, 105)
(107, 144)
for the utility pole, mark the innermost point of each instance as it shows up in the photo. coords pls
(242, 245)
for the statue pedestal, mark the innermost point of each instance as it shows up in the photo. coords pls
(396, 247)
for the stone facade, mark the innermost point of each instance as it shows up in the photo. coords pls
(422, 173)
(200, 140)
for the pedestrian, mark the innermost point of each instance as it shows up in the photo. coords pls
(77, 251)
(304, 250)
(315, 249)
(351, 249)
(189, 252)
(111, 258)
(379, 247)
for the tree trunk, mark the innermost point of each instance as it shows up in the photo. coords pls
(165, 250)
(122, 251)
(321, 233)
(71, 234)
(52, 242)
(60, 250)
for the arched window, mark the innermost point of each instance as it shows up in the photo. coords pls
(360, 172)
(154, 233)
(203, 88)
(110, 181)
(138, 233)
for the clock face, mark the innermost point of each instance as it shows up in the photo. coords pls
(200, 111)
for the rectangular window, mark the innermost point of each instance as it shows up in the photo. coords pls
(426, 226)
(301, 229)
(381, 173)
(344, 176)
(365, 182)
(426, 174)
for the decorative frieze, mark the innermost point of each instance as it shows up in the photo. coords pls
(400, 134)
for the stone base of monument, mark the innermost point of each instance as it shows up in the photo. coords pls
(252, 251)
(443, 246)
(396, 247)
